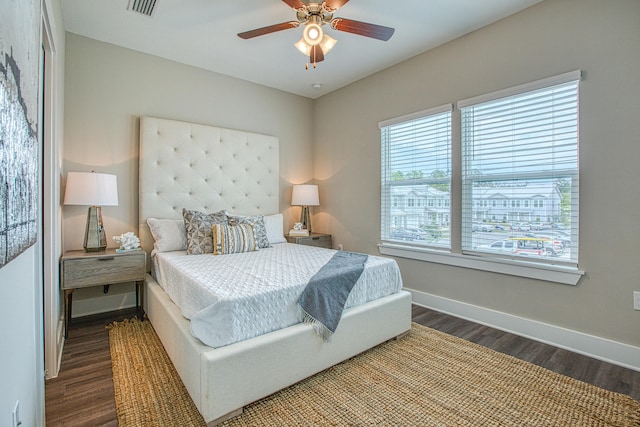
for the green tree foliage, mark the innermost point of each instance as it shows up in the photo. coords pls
(397, 176)
(414, 175)
(564, 188)
(440, 174)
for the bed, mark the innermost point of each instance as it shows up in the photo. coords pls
(205, 168)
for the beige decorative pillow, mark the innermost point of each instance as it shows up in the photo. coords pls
(257, 221)
(232, 239)
(198, 226)
(168, 234)
(273, 224)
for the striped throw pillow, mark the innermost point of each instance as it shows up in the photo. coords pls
(233, 239)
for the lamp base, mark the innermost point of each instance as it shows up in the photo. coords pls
(95, 239)
(305, 218)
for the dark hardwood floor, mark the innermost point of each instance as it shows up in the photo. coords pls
(82, 394)
(601, 374)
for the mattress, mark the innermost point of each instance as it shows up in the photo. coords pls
(230, 298)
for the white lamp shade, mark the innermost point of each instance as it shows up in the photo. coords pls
(305, 195)
(91, 189)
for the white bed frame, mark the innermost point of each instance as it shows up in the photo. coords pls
(208, 168)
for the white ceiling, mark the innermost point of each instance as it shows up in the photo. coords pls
(203, 33)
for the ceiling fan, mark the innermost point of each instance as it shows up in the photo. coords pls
(314, 42)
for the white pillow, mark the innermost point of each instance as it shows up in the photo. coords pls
(275, 230)
(168, 234)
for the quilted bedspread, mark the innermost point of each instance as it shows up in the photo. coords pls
(230, 298)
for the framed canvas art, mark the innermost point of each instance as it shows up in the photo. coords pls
(19, 142)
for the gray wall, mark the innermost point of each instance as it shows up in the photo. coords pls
(109, 87)
(553, 37)
(20, 361)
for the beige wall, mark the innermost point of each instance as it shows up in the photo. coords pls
(553, 37)
(109, 87)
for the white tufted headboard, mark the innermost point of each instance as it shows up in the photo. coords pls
(206, 168)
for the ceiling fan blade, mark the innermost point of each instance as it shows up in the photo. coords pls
(362, 28)
(316, 54)
(295, 4)
(335, 4)
(269, 29)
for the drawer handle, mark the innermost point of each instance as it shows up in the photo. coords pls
(106, 259)
(315, 238)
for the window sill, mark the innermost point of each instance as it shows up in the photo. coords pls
(550, 273)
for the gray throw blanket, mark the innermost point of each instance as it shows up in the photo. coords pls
(323, 299)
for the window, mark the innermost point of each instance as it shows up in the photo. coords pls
(522, 144)
(416, 159)
(519, 149)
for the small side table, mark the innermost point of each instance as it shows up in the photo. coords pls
(313, 239)
(80, 269)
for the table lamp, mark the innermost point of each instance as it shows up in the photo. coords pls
(305, 195)
(94, 190)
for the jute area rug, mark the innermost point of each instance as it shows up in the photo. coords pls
(426, 378)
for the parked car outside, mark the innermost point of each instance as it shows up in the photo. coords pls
(523, 226)
(553, 242)
(482, 226)
(401, 234)
(419, 234)
(537, 246)
(500, 246)
(563, 236)
(527, 246)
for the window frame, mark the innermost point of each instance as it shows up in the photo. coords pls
(558, 272)
(387, 183)
(543, 176)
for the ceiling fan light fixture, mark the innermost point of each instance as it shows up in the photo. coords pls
(326, 45)
(312, 34)
(303, 47)
(315, 44)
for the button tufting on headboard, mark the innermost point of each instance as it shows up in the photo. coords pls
(185, 165)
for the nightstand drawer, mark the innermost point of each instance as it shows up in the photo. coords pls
(100, 270)
(320, 240)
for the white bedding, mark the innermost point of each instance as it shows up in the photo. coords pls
(230, 298)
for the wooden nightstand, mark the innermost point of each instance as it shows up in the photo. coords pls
(80, 269)
(314, 239)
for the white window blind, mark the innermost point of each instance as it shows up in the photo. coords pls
(520, 172)
(416, 177)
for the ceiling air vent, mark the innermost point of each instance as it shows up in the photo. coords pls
(144, 7)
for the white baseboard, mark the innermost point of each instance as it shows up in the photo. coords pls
(60, 349)
(621, 354)
(103, 304)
